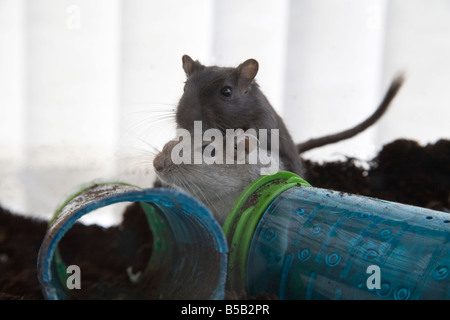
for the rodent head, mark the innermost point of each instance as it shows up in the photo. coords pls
(221, 97)
(217, 185)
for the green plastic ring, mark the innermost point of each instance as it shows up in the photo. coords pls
(244, 217)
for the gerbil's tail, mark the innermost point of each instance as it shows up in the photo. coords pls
(319, 142)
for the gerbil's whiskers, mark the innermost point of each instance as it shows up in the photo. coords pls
(150, 117)
(139, 156)
(151, 120)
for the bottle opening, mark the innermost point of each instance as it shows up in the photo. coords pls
(173, 248)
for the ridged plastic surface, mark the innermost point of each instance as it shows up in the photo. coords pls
(313, 243)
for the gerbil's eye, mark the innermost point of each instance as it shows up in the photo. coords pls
(226, 91)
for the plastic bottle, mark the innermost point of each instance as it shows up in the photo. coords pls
(189, 253)
(294, 241)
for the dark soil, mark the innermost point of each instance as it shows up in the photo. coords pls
(403, 171)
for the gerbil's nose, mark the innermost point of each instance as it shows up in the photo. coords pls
(158, 164)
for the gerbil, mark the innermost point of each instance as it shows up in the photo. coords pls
(230, 98)
(216, 185)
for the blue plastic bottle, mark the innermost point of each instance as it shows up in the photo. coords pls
(189, 253)
(295, 241)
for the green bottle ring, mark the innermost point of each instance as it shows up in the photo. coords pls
(244, 217)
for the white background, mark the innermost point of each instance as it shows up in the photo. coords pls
(88, 87)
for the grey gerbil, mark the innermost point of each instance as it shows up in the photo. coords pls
(229, 98)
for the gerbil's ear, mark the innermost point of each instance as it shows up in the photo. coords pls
(189, 65)
(246, 73)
